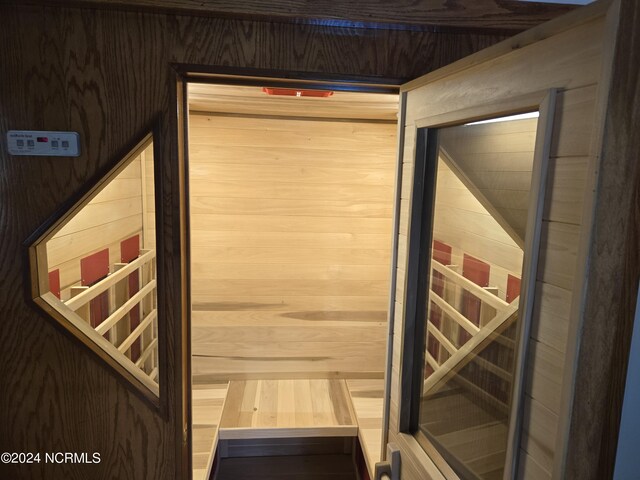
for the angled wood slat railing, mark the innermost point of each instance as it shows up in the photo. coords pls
(103, 285)
(124, 346)
(498, 316)
(444, 341)
(54, 304)
(466, 353)
(153, 345)
(432, 361)
(465, 283)
(119, 314)
(460, 319)
(145, 331)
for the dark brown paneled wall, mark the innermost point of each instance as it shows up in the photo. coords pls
(107, 75)
(497, 15)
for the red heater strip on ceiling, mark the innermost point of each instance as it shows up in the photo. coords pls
(292, 92)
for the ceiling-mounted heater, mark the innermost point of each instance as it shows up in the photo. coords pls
(292, 92)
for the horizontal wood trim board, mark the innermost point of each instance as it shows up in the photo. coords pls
(286, 349)
(300, 207)
(300, 307)
(306, 175)
(274, 255)
(279, 223)
(314, 287)
(336, 333)
(261, 271)
(250, 188)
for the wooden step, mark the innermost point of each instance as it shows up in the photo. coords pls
(287, 408)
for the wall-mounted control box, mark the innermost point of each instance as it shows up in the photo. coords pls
(43, 143)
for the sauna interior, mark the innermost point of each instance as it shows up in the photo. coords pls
(291, 225)
(99, 269)
(291, 219)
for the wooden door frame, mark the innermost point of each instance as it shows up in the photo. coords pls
(184, 74)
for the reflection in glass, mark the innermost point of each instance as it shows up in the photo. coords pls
(479, 226)
(101, 266)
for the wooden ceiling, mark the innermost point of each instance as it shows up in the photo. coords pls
(435, 15)
(243, 100)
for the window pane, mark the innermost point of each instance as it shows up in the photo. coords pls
(101, 266)
(479, 225)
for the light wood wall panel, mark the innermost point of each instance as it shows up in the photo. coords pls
(571, 59)
(462, 222)
(290, 245)
(147, 166)
(495, 160)
(112, 216)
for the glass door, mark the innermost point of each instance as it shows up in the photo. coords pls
(467, 283)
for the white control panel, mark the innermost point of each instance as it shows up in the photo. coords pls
(42, 143)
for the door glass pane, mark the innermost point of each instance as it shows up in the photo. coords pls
(479, 225)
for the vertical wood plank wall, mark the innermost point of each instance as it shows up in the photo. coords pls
(113, 215)
(290, 245)
(572, 61)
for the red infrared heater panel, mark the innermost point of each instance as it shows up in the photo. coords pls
(54, 282)
(292, 92)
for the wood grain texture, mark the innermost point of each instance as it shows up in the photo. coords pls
(287, 408)
(106, 74)
(252, 100)
(495, 161)
(115, 214)
(614, 269)
(571, 59)
(462, 222)
(367, 398)
(262, 237)
(207, 401)
(507, 15)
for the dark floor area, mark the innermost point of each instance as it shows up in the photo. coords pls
(301, 467)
